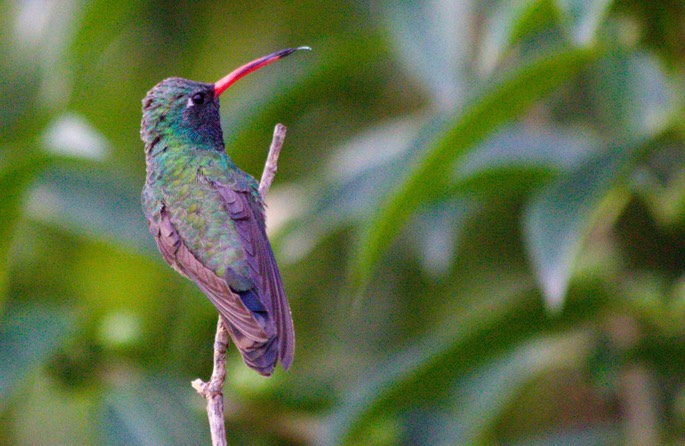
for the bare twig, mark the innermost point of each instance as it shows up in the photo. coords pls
(271, 165)
(212, 391)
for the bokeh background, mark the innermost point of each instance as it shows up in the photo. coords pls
(479, 216)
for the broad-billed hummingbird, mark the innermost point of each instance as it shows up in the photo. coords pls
(207, 216)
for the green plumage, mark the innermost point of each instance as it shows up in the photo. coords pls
(197, 210)
(208, 221)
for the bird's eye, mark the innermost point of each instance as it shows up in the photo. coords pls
(198, 99)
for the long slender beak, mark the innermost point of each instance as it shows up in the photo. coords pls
(222, 84)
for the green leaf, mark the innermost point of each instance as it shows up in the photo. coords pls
(583, 18)
(559, 216)
(429, 37)
(28, 336)
(504, 102)
(519, 146)
(520, 158)
(509, 21)
(633, 94)
(437, 230)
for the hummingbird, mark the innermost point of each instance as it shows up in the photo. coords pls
(207, 216)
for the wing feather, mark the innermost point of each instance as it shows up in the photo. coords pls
(228, 303)
(248, 217)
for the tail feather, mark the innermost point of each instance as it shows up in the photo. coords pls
(260, 356)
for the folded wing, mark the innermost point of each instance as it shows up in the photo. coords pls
(248, 217)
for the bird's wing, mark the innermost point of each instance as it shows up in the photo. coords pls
(228, 303)
(248, 217)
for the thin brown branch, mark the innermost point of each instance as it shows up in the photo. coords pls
(271, 165)
(212, 390)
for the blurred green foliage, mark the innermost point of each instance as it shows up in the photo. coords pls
(479, 216)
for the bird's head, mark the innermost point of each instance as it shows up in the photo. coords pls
(182, 110)
(188, 111)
